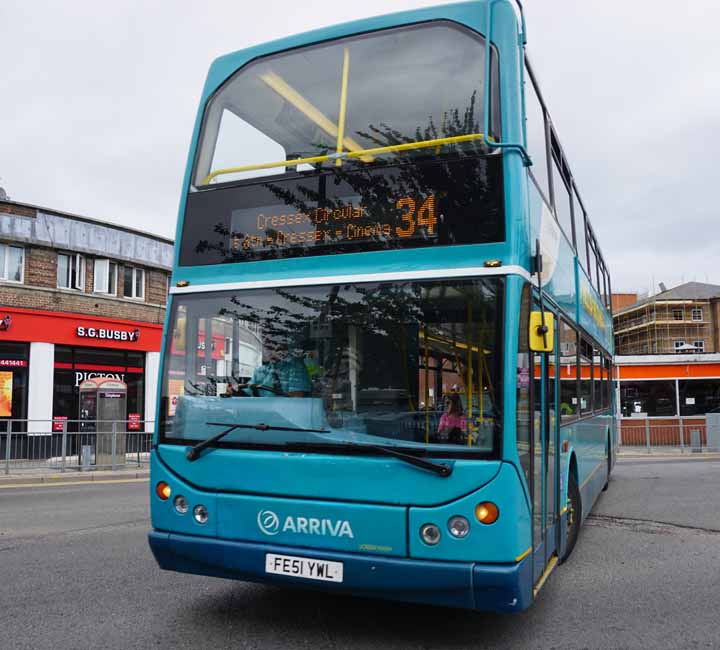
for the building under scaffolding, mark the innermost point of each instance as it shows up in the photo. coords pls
(682, 320)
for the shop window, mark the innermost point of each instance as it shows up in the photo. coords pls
(134, 283)
(697, 314)
(71, 272)
(105, 277)
(13, 384)
(699, 396)
(12, 263)
(651, 398)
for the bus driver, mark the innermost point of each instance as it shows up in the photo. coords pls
(281, 374)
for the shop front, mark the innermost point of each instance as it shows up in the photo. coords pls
(46, 356)
(74, 365)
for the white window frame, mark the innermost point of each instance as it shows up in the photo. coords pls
(697, 310)
(79, 262)
(678, 344)
(4, 270)
(135, 271)
(699, 346)
(105, 269)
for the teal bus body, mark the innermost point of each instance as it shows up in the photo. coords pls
(366, 511)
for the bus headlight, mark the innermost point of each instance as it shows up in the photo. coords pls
(200, 513)
(181, 504)
(458, 526)
(430, 534)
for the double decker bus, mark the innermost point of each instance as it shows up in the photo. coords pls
(387, 356)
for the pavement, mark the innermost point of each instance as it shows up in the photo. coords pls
(40, 477)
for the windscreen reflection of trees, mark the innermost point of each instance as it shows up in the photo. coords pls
(397, 327)
(383, 190)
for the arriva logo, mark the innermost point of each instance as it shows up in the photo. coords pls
(269, 523)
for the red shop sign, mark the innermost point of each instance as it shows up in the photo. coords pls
(133, 422)
(58, 421)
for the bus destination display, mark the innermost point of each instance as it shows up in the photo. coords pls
(350, 220)
(437, 203)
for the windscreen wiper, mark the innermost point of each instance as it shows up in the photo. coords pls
(441, 469)
(194, 452)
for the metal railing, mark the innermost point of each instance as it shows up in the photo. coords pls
(691, 434)
(74, 445)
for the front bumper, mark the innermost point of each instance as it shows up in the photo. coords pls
(498, 587)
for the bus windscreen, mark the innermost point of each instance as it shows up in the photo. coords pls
(409, 364)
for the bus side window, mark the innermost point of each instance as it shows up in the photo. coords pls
(580, 232)
(568, 372)
(536, 136)
(563, 202)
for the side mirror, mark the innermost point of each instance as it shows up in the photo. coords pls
(538, 342)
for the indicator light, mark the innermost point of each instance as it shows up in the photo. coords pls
(163, 490)
(486, 512)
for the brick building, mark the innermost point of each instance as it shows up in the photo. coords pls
(79, 298)
(667, 363)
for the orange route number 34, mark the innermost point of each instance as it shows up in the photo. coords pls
(414, 217)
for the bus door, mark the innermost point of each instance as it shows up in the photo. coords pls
(544, 445)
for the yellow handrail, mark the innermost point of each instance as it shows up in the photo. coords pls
(343, 106)
(278, 85)
(406, 146)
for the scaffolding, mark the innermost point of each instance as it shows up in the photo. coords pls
(675, 326)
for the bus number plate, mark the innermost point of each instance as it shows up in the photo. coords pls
(304, 567)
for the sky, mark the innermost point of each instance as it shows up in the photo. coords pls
(98, 100)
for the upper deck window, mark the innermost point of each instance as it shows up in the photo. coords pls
(376, 90)
(370, 142)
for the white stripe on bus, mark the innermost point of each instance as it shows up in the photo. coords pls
(424, 274)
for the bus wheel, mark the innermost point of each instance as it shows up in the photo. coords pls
(574, 513)
(609, 465)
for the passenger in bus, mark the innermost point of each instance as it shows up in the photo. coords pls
(453, 426)
(281, 374)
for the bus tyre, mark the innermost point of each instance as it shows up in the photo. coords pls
(609, 465)
(574, 514)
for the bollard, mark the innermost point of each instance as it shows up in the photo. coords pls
(647, 434)
(682, 437)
